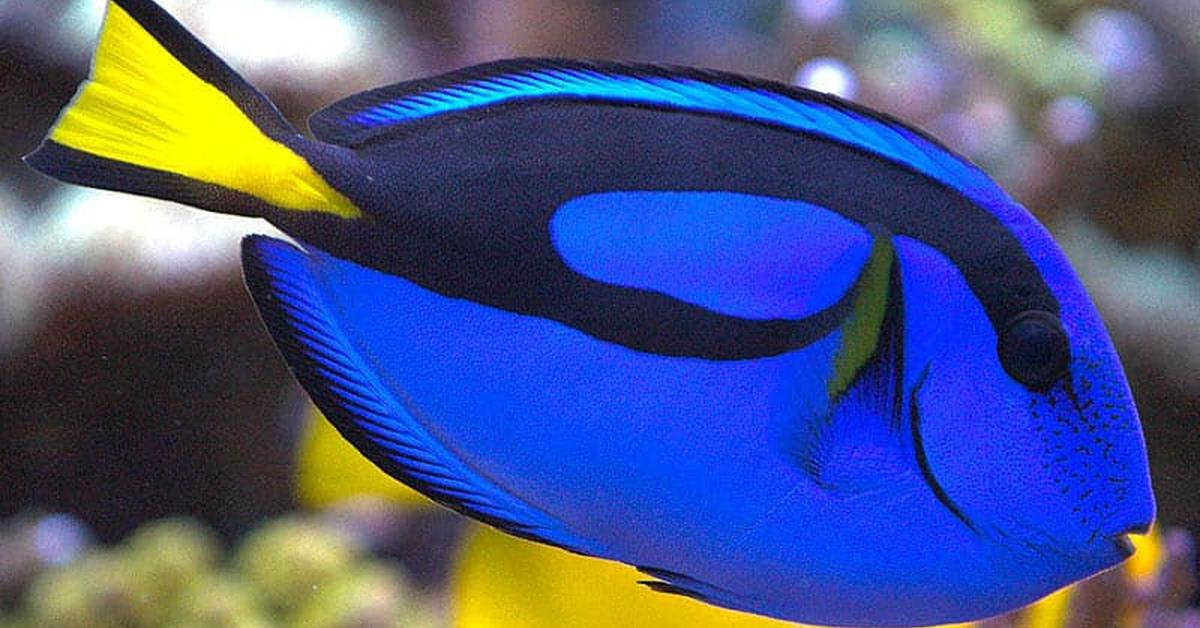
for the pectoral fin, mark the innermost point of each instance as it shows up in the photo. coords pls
(856, 444)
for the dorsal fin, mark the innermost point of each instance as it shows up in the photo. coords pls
(376, 114)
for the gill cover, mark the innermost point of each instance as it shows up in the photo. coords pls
(1059, 464)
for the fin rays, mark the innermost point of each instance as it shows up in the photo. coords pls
(675, 583)
(857, 444)
(355, 402)
(154, 103)
(375, 114)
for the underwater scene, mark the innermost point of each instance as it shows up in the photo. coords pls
(637, 313)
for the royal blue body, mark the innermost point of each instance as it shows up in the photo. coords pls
(619, 298)
(782, 353)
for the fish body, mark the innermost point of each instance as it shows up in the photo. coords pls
(781, 353)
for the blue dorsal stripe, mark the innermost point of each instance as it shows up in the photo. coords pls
(373, 114)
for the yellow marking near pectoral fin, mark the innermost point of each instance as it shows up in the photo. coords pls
(860, 332)
(143, 106)
(854, 446)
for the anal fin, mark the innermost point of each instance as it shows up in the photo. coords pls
(675, 583)
(374, 418)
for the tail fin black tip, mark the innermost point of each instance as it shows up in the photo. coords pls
(205, 64)
(73, 166)
(162, 116)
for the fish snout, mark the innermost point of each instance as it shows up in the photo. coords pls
(1135, 507)
(1123, 542)
(1135, 521)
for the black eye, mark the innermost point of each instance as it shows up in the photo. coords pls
(1034, 349)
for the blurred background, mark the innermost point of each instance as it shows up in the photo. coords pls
(136, 381)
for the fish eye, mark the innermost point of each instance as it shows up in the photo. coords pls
(1034, 349)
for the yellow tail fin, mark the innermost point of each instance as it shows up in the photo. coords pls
(161, 115)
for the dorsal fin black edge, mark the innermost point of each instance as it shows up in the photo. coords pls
(331, 123)
(377, 117)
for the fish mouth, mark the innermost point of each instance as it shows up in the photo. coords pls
(1124, 543)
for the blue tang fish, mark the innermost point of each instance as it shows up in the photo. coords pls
(780, 352)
